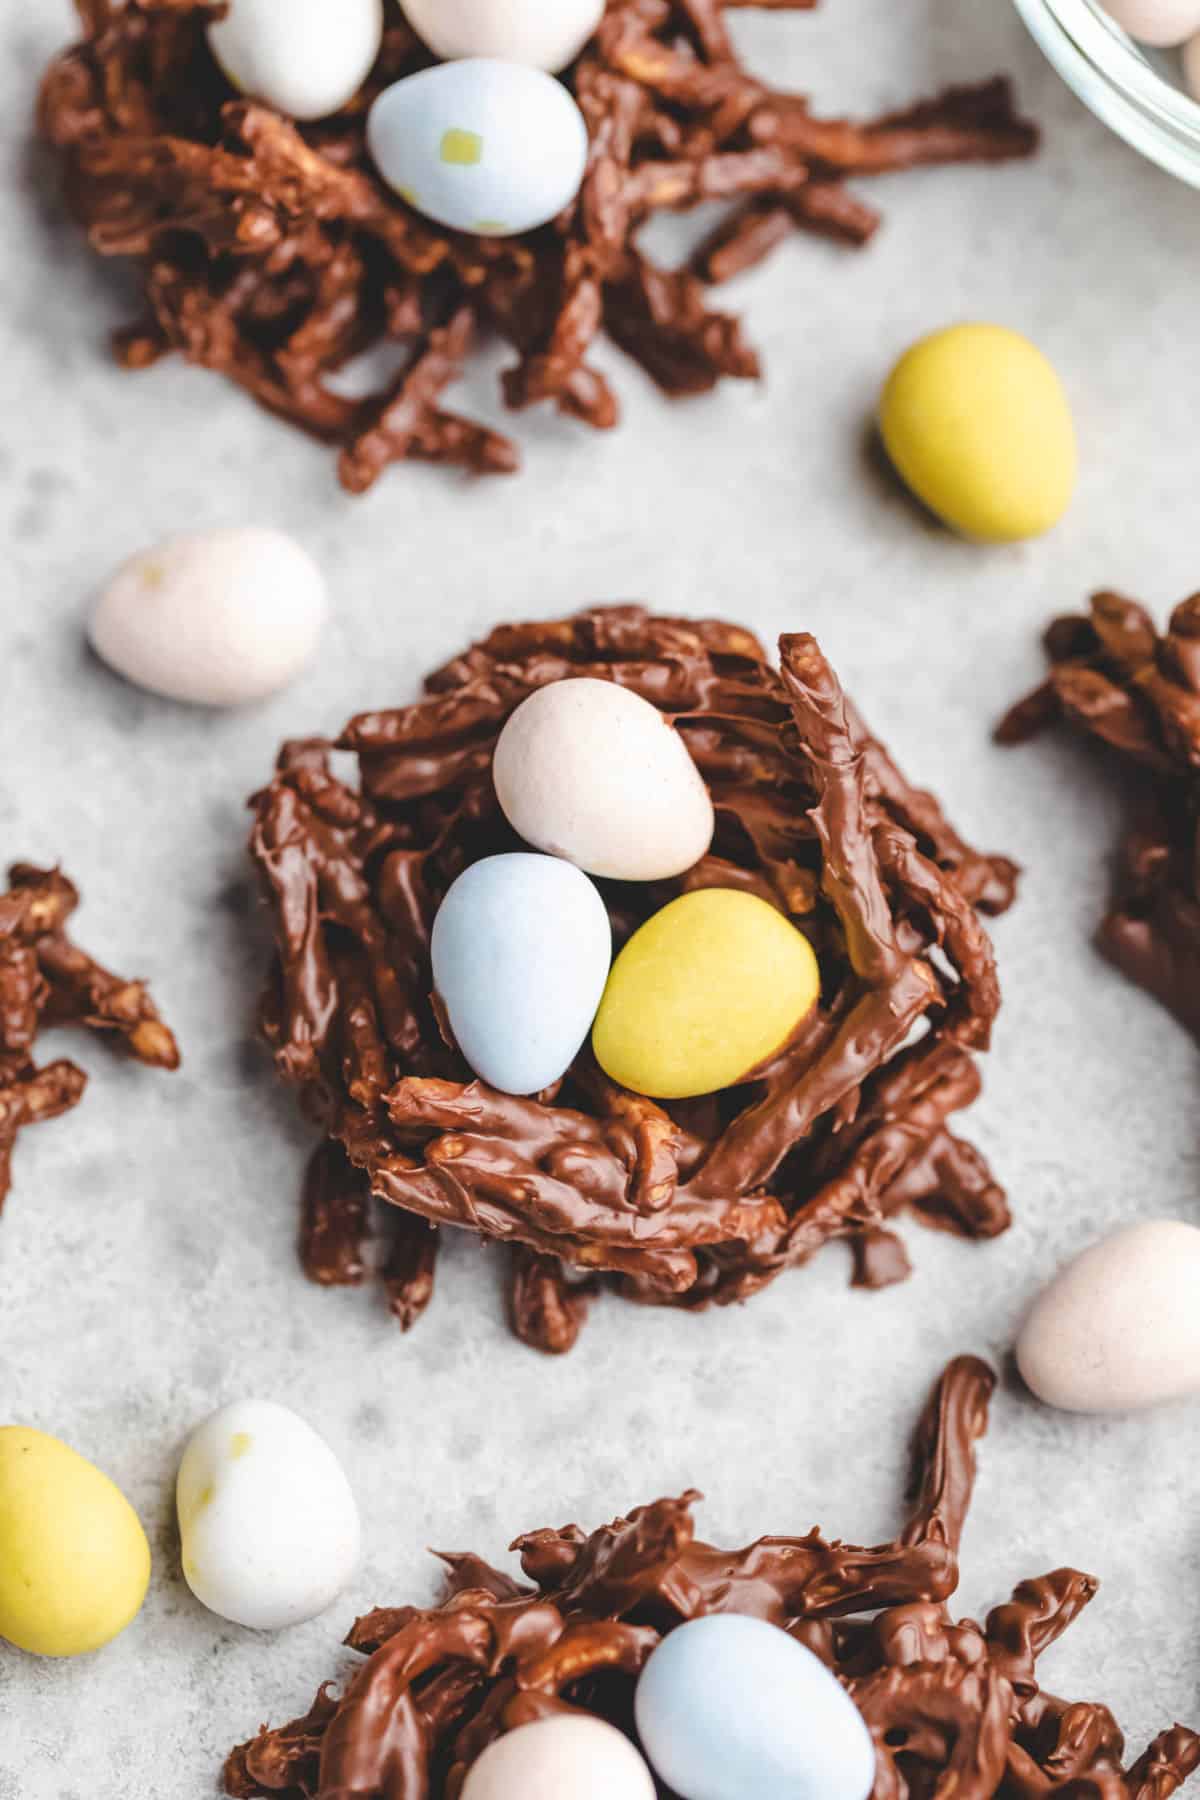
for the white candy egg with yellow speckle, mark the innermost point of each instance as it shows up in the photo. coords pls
(269, 1525)
(544, 35)
(481, 146)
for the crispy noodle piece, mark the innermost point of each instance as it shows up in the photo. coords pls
(45, 981)
(953, 1708)
(676, 1204)
(270, 252)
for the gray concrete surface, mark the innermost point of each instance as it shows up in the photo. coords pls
(146, 1257)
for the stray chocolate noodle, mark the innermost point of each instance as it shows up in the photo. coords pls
(273, 254)
(47, 981)
(953, 1707)
(680, 1204)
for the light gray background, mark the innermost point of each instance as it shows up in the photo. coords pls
(147, 1270)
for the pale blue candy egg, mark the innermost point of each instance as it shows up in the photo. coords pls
(730, 1707)
(521, 950)
(480, 145)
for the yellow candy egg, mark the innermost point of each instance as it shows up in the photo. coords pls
(976, 422)
(74, 1561)
(705, 991)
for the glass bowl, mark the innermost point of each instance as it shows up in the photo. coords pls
(1138, 92)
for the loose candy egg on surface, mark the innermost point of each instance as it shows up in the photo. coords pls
(976, 422)
(591, 772)
(481, 146)
(560, 1759)
(708, 988)
(216, 618)
(729, 1706)
(1161, 23)
(1191, 66)
(74, 1561)
(1119, 1327)
(269, 1525)
(545, 36)
(521, 949)
(307, 58)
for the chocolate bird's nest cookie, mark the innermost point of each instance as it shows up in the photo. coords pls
(273, 254)
(677, 1204)
(1136, 692)
(953, 1708)
(46, 980)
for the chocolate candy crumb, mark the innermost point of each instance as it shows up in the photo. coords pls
(272, 253)
(685, 1203)
(952, 1707)
(47, 981)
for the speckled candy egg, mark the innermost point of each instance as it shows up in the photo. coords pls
(521, 950)
(481, 146)
(545, 34)
(1119, 1327)
(1158, 22)
(307, 58)
(269, 1526)
(569, 1758)
(976, 422)
(708, 988)
(588, 771)
(74, 1561)
(217, 618)
(730, 1706)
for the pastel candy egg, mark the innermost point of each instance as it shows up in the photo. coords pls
(588, 771)
(1191, 66)
(706, 990)
(567, 1758)
(1158, 22)
(729, 1707)
(217, 618)
(1119, 1327)
(542, 34)
(481, 145)
(521, 949)
(307, 58)
(74, 1561)
(269, 1526)
(976, 422)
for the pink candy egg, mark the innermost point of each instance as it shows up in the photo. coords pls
(1157, 22)
(574, 1757)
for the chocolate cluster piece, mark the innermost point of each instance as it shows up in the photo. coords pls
(45, 981)
(1136, 692)
(273, 254)
(953, 1708)
(681, 1203)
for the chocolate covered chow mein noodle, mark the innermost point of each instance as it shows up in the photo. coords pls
(953, 1708)
(273, 254)
(680, 1203)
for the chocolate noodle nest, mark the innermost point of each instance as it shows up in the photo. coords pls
(1137, 693)
(46, 981)
(273, 254)
(956, 1710)
(680, 1204)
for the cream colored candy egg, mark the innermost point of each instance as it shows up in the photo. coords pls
(591, 772)
(307, 58)
(482, 146)
(1191, 65)
(545, 34)
(74, 1561)
(568, 1758)
(1118, 1328)
(269, 1526)
(709, 987)
(217, 618)
(1157, 22)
